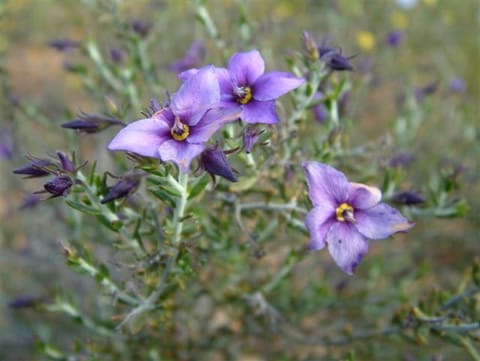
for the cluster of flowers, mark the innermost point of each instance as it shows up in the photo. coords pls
(209, 98)
(345, 215)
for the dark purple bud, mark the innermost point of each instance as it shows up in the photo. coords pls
(30, 201)
(250, 137)
(67, 164)
(37, 168)
(24, 302)
(310, 46)
(408, 198)
(91, 123)
(141, 28)
(123, 188)
(394, 38)
(334, 59)
(422, 92)
(456, 85)
(58, 186)
(215, 162)
(117, 55)
(193, 58)
(64, 45)
(401, 160)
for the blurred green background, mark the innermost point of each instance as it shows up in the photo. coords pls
(440, 42)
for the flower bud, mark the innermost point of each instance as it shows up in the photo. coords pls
(123, 188)
(67, 164)
(64, 45)
(91, 123)
(310, 47)
(58, 186)
(408, 198)
(37, 168)
(250, 137)
(215, 162)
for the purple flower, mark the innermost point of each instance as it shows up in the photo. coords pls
(141, 28)
(179, 132)
(346, 215)
(245, 83)
(394, 38)
(194, 57)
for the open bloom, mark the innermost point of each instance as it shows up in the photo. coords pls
(179, 132)
(346, 215)
(244, 83)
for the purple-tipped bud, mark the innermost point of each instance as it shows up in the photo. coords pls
(215, 162)
(123, 188)
(67, 164)
(91, 123)
(394, 38)
(64, 45)
(250, 137)
(37, 168)
(408, 198)
(58, 186)
(117, 55)
(310, 47)
(141, 28)
(192, 59)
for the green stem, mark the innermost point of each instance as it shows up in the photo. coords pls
(180, 207)
(273, 207)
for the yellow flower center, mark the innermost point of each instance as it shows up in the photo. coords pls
(344, 213)
(179, 131)
(244, 95)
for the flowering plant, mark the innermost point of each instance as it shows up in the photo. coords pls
(198, 222)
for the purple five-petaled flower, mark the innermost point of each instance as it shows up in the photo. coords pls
(245, 82)
(346, 215)
(179, 132)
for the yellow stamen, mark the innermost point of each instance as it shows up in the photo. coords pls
(179, 131)
(344, 213)
(244, 95)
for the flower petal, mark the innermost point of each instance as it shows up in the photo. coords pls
(326, 185)
(362, 196)
(186, 74)
(381, 221)
(318, 222)
(180, 152)
(199, 93)
(275, 84)
(225, 83)
(260, 112)
(246, 67)
(142, 137)
(346, 246)
(213, 120)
